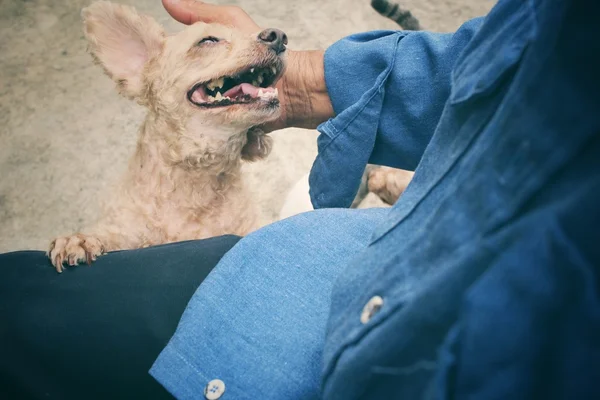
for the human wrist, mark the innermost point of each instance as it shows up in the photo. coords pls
(307, 102)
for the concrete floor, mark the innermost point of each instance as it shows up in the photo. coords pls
(66, 136)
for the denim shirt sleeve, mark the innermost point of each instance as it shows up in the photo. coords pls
(388, 90)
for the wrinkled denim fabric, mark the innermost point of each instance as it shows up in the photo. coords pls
(488, 265)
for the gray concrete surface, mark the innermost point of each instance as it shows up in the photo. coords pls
(66, 136)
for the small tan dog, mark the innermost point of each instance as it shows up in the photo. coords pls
(205, 88)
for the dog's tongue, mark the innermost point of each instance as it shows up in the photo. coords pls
(199, 95)
(245, 88)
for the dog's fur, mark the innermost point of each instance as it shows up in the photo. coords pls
(184, 180)
(388, 183)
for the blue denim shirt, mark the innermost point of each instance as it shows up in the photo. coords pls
(488, 265)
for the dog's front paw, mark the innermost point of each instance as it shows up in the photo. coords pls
(388, 183)
(72, 250)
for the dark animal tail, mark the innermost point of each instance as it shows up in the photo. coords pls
(393, 11)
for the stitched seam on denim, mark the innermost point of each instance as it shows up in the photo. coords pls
(379, 86)
(440, 179)
(182, 358)
(329, 130)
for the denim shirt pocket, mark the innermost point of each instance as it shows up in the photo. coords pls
(493, 51)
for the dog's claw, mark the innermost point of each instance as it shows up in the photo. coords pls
(74, 250)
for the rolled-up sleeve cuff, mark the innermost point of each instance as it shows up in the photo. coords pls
(353, 64)
(357, 90)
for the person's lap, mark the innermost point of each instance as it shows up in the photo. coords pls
(258, 321)
(94, 332)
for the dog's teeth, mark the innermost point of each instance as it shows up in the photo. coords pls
(216, 83)
(210, 98)
(227, 98)
(251, 70)
(274, 70)
(260, 79)
(276, 92)
(219, 96)
(260, 93)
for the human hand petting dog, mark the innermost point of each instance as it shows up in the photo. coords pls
(302, 91)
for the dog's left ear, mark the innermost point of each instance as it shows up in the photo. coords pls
(258, 146)
(122, 41)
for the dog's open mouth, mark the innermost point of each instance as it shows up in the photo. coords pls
(250, 85)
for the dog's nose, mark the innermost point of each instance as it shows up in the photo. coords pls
(275, 39)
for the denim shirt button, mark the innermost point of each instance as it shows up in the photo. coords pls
(214, 390)
(371, 308)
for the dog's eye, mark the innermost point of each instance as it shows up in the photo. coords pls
(210, 39)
